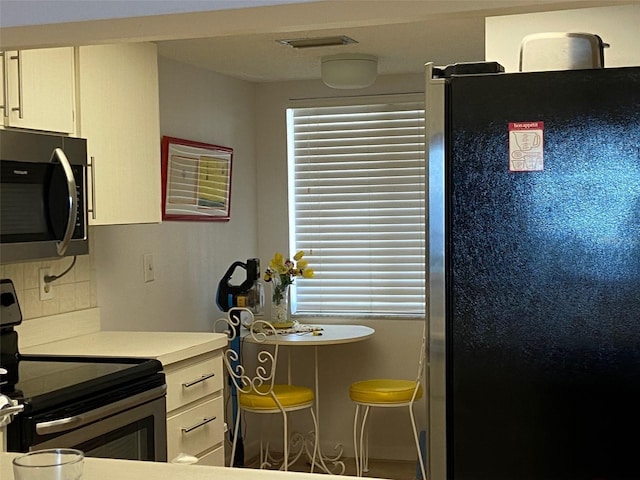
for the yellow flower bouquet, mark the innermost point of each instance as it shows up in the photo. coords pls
(281, 274)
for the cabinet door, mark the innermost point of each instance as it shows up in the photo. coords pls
(40, 89)
(119, 117)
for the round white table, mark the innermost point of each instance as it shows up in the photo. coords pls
(323, 334)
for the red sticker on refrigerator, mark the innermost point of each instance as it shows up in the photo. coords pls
(526, 141)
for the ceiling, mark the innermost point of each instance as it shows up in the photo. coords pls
(400, 48)
(441, 34)
(242, 42)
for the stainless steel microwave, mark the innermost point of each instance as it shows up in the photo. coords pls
(43, 180)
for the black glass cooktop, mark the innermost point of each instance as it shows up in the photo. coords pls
(45, 381)
(46, 384)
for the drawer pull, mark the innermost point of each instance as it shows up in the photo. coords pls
(200, 380)
(198, 425)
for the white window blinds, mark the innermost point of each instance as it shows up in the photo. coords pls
(357, 195)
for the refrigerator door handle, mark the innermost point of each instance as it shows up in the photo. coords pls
(436, 384)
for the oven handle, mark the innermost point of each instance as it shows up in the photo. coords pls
(69, 423)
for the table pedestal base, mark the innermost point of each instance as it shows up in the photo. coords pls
(337, 464)
(299, 444)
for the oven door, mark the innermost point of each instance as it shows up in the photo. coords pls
(133, 428)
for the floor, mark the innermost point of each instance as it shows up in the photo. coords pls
(387, 469)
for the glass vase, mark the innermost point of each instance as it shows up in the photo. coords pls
(280, 307)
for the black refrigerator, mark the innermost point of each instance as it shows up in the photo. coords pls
(534, 274)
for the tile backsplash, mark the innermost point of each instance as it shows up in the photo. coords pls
(74, 291)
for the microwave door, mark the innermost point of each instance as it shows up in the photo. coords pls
(22, 204)
(62, 201)
(36, 206)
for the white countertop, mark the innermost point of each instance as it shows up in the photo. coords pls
(108, 469)
(168, 347)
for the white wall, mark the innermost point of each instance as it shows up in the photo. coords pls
(618, 26)
(190, 257)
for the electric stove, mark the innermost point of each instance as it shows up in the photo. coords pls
(108, 407)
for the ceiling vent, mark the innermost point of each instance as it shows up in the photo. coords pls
(318, 42)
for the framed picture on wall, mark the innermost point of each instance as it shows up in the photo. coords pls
(196, 180)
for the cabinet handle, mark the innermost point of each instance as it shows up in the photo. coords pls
(92, 166)
(200, 380)
(198, 425)
(19, 60)
(5, 85)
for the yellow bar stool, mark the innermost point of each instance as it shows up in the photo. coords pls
(384, 393)
(257, 391)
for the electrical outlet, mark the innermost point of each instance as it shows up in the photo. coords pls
(149, 272)
(46, 289)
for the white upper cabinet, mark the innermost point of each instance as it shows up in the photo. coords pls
(119, 117)
(38, 89)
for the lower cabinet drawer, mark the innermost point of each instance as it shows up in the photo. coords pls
(214, 458)
(196, 381)
(196, 430)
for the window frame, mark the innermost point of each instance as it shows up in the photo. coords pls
(291, 175)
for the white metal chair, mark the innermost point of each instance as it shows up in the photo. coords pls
(385, 393)
(257, 391)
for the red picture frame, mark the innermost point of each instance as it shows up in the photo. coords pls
(196, 180)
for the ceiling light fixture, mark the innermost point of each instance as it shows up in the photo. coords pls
(349, 70)
(318, 42)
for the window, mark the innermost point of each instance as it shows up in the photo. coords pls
(357, 203)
